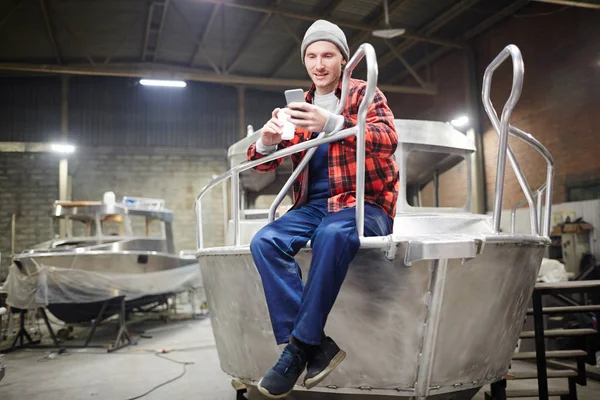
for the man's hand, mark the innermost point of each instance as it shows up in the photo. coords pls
(308, 116)
(272, 130)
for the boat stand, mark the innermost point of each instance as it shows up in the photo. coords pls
(123, 338)
(498, 390)
(21, 335)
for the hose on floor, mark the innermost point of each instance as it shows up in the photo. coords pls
(184, 363)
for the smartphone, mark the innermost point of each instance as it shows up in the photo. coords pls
(294, 95)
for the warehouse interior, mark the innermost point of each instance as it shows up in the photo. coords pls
(83, 129)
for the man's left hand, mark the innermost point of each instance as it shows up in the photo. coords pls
(308, 116)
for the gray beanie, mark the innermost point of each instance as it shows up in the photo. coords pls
(325, 30)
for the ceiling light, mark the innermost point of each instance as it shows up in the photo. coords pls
(164, 83)
(388, 33)
(461, 121)
(62, 148)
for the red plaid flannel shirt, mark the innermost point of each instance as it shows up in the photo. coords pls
(381, 170)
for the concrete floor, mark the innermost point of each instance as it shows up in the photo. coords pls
(36, 374)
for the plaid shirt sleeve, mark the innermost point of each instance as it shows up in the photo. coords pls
(381, 138)
(271, 165)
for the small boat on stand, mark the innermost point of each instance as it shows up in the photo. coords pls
(109, 258)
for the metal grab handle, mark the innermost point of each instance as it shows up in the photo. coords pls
(502, 128)
(367, 50)
(372, 73)
(235, 171)
(547, 186)
(513, 211)
(288, 184)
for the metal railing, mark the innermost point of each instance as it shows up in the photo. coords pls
(513, 212)
(365, 50)
(503, 130)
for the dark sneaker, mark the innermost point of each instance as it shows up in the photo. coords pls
(280, 380)
(322, 361)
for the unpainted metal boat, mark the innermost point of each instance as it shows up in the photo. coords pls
(433, 310)
(117, 249)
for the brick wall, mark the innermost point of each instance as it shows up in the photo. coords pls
(29, 185)
(452, 188)
(449, 73)
(560, 102)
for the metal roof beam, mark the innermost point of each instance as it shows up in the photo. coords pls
(150, 49)
(165, 7)
(82, 46)
(293, 53)
(296, 49)
(11, 12)
(202, 37)
(406, 64)
(247, 5)
(582, 4)
(50, 30)
(332, 7)
(293, 34)
(141, 70)
(248, 41)
(471, 33)
(147, 32)
(117, 48)
(428, 29)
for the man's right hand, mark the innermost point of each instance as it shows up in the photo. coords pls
(272, 130)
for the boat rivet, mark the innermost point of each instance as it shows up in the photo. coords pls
(332, 387)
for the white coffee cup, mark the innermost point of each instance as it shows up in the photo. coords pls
(288, 128)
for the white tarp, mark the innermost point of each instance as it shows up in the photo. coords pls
(552, 271)
(66, 285)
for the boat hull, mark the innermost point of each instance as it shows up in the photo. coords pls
(74, 287)
(125, 262)
(437, 326)
(75, 313)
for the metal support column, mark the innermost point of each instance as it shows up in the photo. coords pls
(63, 166)
(540, 345)
(436, 188)
(478, 196)
(498, 390)
(243, 129)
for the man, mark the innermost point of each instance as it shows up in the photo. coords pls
(324, 211)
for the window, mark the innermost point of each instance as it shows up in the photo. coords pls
(425, 168)
(583, 191)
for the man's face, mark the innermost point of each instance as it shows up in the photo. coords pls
(324, 62)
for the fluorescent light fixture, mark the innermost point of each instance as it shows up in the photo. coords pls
(62, 148)
(164, 83)
(461, 121)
